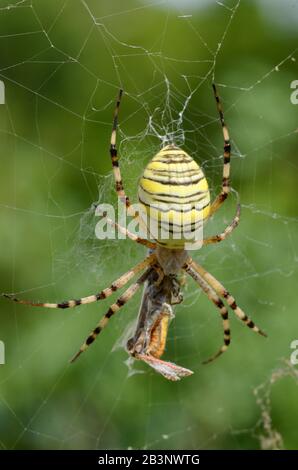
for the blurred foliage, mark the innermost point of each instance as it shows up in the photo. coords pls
(62, 63)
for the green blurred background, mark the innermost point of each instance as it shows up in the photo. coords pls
(62, 63)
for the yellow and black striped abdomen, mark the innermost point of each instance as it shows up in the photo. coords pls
(174, 196)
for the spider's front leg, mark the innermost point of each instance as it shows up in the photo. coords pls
(107, 292)
(222, 292)
(115, 307)
(215, 291)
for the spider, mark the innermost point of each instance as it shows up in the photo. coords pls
(170, 180)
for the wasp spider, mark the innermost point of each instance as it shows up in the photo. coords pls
(170, 180)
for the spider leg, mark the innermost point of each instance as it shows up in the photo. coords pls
(115, 160)
(211, 294)
(228, 230)
(114, 156)
(223, 293)
(92, 298)
(122, 300)
(130, 235)
(227, 156)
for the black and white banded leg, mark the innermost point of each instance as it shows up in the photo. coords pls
(124, 279)
(228, 230)
(226, 157)
(219, 304)
(224, 294)
(120, 302)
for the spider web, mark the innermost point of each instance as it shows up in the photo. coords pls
(63, 63)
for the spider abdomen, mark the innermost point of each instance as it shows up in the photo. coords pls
(174, 195)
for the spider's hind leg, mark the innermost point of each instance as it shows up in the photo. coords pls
(225, 189)
(115, 161)
(228, 230)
